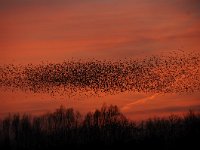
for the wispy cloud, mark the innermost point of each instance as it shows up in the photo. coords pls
(30, 29)
(138, 102)
(167, 110)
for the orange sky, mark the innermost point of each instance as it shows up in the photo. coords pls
(53, 30)
(32, 31)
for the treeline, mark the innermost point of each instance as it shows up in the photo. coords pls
(104, 128)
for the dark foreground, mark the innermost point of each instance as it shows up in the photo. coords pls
(103, 129)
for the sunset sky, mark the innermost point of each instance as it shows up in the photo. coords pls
(33, 31)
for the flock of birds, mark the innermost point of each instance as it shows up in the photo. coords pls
(174, 73)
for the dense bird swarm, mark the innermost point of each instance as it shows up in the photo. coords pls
(175, 73)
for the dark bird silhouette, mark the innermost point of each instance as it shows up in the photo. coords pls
(175, 73)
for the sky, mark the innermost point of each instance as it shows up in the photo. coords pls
(33, 31)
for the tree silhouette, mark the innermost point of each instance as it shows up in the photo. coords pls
(103, 128)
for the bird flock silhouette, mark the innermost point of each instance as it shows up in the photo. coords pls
(173, 73)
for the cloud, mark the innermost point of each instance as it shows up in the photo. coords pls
(114, 28)
(9, 4)
(130, 106)
(171, 109)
